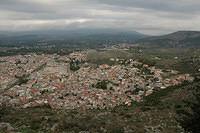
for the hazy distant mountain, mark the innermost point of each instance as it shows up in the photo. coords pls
(176, 39)
(87, 36)
(73, 33)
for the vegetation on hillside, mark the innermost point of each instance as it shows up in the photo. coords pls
(180, 39)
(157, 113)
(191, 115)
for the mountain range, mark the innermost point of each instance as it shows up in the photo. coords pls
(72, 34)
(95, 37)
(82, 36)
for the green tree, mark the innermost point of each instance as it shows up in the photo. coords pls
(102, 84)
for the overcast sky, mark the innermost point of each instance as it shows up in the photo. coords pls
(145, 16)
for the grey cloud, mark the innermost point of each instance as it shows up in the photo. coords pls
(22, 6)
(159, 5)
(148, 16)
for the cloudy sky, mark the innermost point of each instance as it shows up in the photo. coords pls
(145, 16)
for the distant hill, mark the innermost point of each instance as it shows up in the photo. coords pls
(78, 36)
(176, 39)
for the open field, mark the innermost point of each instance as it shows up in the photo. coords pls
(103, 57)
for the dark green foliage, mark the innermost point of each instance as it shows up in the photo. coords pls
(190, 121)
(74, 65)
(146, 71)
(22, 79)
(111, 88)
(18, 62)
(102, 84)
(74, 68)
(44, 91)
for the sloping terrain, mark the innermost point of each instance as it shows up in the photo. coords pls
(176, 39)
(158, 113)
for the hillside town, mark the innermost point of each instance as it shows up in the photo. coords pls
(32, 80)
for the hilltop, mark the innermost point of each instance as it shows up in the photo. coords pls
(176, 39)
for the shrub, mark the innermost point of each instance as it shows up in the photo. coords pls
(102, 84)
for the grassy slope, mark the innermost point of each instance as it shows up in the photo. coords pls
(184, 63)
(187, 62)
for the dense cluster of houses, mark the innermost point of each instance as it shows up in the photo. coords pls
(50, 81)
